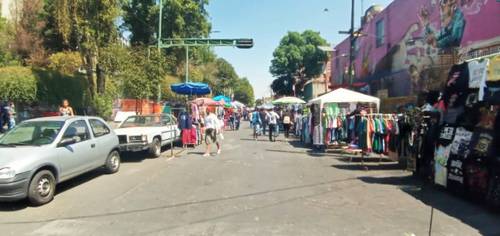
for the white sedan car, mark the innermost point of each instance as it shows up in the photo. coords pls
(147, 132)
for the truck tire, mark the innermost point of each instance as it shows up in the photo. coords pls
(155, 149)
(112, 162)
(42, 188)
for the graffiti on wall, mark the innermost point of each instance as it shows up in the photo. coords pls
(419, 46)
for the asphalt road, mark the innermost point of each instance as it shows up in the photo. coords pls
(252, 188)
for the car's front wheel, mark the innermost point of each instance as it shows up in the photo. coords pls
(42, 188)
(155, 148)
(113, 162)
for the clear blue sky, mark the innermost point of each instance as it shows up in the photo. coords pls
(267, 21)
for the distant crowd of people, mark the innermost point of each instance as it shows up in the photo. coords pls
(272, 120)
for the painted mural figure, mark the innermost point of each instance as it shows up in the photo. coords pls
(452, 25)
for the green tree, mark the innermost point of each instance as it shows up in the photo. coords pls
(225, 77)
(17, 84)
(28, 42)
(296, 60)
(6, 38)
(244, 92)
(181, 19)
(141, 19)
(67, 62)
(93, 24)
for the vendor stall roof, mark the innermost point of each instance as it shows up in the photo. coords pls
(342, 95)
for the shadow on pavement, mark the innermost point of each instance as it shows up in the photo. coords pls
(471, 213)
(382, 166)
(127, 157)
(13, 206)
(60, 188)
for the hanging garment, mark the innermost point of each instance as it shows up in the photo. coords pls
(318, 135)
(185, 121)
(440, 165)
(458, 79)
(478, 73)
(455, 181)
(195, 112)
(460, 144)
(493, 79)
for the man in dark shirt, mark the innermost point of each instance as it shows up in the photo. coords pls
(263, 115)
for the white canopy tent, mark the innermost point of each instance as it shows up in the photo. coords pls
(342, 95)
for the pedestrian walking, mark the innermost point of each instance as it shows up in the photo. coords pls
(11, 115)
(238, 120)
(263, 117)
(256, 123)
(212, 131)
(272, 118)
(287, 124)
(66, 109)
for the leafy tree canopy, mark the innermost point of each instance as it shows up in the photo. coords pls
(297, 59)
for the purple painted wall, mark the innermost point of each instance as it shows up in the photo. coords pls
(416, 33)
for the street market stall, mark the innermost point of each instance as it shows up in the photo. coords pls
(346, 119)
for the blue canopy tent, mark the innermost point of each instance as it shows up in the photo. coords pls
(190, 88)
(222, 97)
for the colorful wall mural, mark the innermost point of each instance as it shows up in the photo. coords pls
(408, 47)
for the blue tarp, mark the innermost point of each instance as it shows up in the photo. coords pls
(222, 97)
(191, 88)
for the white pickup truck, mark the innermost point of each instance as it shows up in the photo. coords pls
(147, 132)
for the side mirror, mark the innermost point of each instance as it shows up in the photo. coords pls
(66, 142)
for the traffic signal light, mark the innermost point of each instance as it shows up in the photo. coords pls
(244, 43)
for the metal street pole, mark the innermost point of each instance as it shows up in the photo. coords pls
(351, 40)
(159, 50)
(187, 64)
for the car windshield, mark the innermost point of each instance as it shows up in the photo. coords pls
(32, 133)
(144, 121)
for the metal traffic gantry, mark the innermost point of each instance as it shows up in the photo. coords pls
(196, 42)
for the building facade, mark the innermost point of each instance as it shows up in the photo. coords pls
(320, 85)
(408, 47)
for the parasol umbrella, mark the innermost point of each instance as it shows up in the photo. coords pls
(238, 104)
(206, 102)
(191, 88)
(224, 98)
(268, 106)
(288, 100)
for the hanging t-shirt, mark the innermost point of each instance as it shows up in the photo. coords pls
(458, 78)
(446, 135)
(452, 114)
(480, 144)
(440, 162)
(493, 79)
(477, 73)
(455, 179)
(185, 121)
(460, 145)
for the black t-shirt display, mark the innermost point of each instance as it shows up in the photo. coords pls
(458, 79)
(461, 142)
(481, 143)
(446, 135)
(456, 173)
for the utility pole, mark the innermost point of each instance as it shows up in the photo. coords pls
(351, 45)
(159, 49)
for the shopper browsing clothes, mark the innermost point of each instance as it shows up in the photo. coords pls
(272, 118)
(212, 131)
(65, 109)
